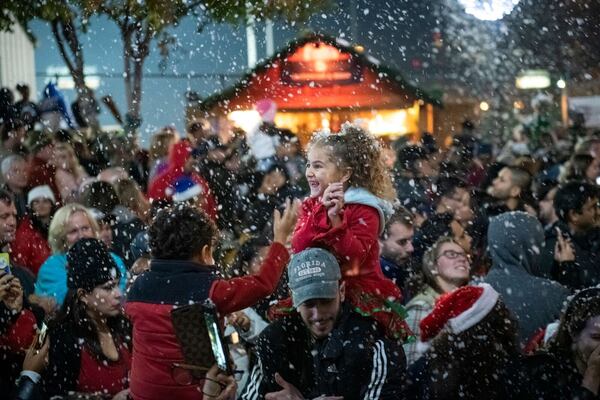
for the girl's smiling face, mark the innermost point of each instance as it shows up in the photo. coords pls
(321, 170)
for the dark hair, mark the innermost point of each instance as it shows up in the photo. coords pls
(446, 186)
(180, 232)
(472, 362)
(407, 157)
(9, 126)
(577, 166)
(100, 195)
(572, 196)
(73, 317)
(400, 216)
(435, 227)
(6, 197)
(582, 307)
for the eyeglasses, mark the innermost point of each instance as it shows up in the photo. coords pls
(453, 255)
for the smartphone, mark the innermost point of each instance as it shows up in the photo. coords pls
(220, 351)
(43, 331)
(5, 263)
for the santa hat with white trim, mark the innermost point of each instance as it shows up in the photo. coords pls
(458, 310)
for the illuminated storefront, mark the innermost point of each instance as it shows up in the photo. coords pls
(319, 83)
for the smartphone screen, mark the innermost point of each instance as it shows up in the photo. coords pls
(215, 341)
(42, 335)
(5, 263)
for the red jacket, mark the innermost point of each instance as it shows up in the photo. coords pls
(20, 333)
(354, 243)
(168, 283)
(161, 187)
(30, 248)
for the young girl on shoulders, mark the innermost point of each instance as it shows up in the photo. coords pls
(351, 195)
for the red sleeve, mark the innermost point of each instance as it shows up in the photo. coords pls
(238, 293)
(20, 334)
(351, 242)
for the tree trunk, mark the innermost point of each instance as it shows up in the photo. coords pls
(65, 35)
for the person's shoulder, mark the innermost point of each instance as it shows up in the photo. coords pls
(282, 330)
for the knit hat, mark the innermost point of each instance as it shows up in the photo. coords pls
(40, 192)
(266, 109)
(89, 264)
(313, 274)
(459, 310)
(185, 188)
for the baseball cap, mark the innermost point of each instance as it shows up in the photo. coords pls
(313, 274)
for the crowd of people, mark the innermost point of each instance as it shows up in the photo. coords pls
(350, 268)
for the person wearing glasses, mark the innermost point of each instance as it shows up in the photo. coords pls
(446, 266)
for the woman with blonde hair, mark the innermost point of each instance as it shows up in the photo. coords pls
(446, 266)
(70, 223)
(69, 173)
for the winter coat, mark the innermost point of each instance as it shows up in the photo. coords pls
(581, 273)
(354, 243)
(162, 186)
(127, 227)
(545, 376)
(169, 283)
(52, 277)
(515, 243)
(30, 248)
(355, 361)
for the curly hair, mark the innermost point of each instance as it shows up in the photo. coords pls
(180, 232)
(358, 150)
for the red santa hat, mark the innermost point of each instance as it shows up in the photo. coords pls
(459, 310)
(266, 109)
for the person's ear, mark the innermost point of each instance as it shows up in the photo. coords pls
(342, 291)
(573, 216)
(515, 191)
(206, 254)
(347, 175)
(81, 296)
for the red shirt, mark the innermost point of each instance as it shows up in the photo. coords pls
(102, 376)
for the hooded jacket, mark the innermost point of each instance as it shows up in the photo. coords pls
(515, 243)
(162, 186)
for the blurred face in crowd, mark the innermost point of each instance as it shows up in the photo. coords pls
(272, 182)
(458, 203)
(8, 222)
(17, 175)
(46, 153)
(42, 207)
(398, 245)
(588, 217)
(453, 264)
(593, 171)
(320, 315)
(106, 234)
(61, 159)
(502, 187)
(461, 236)
(78, 227)
(547, 214)
(425, 168)
(587, 340)
(321, 170)
(104, 300)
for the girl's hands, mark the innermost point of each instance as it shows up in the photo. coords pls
(333, 200)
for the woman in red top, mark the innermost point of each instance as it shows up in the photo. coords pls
(30, 248)
(90, 339)
(350, 197)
